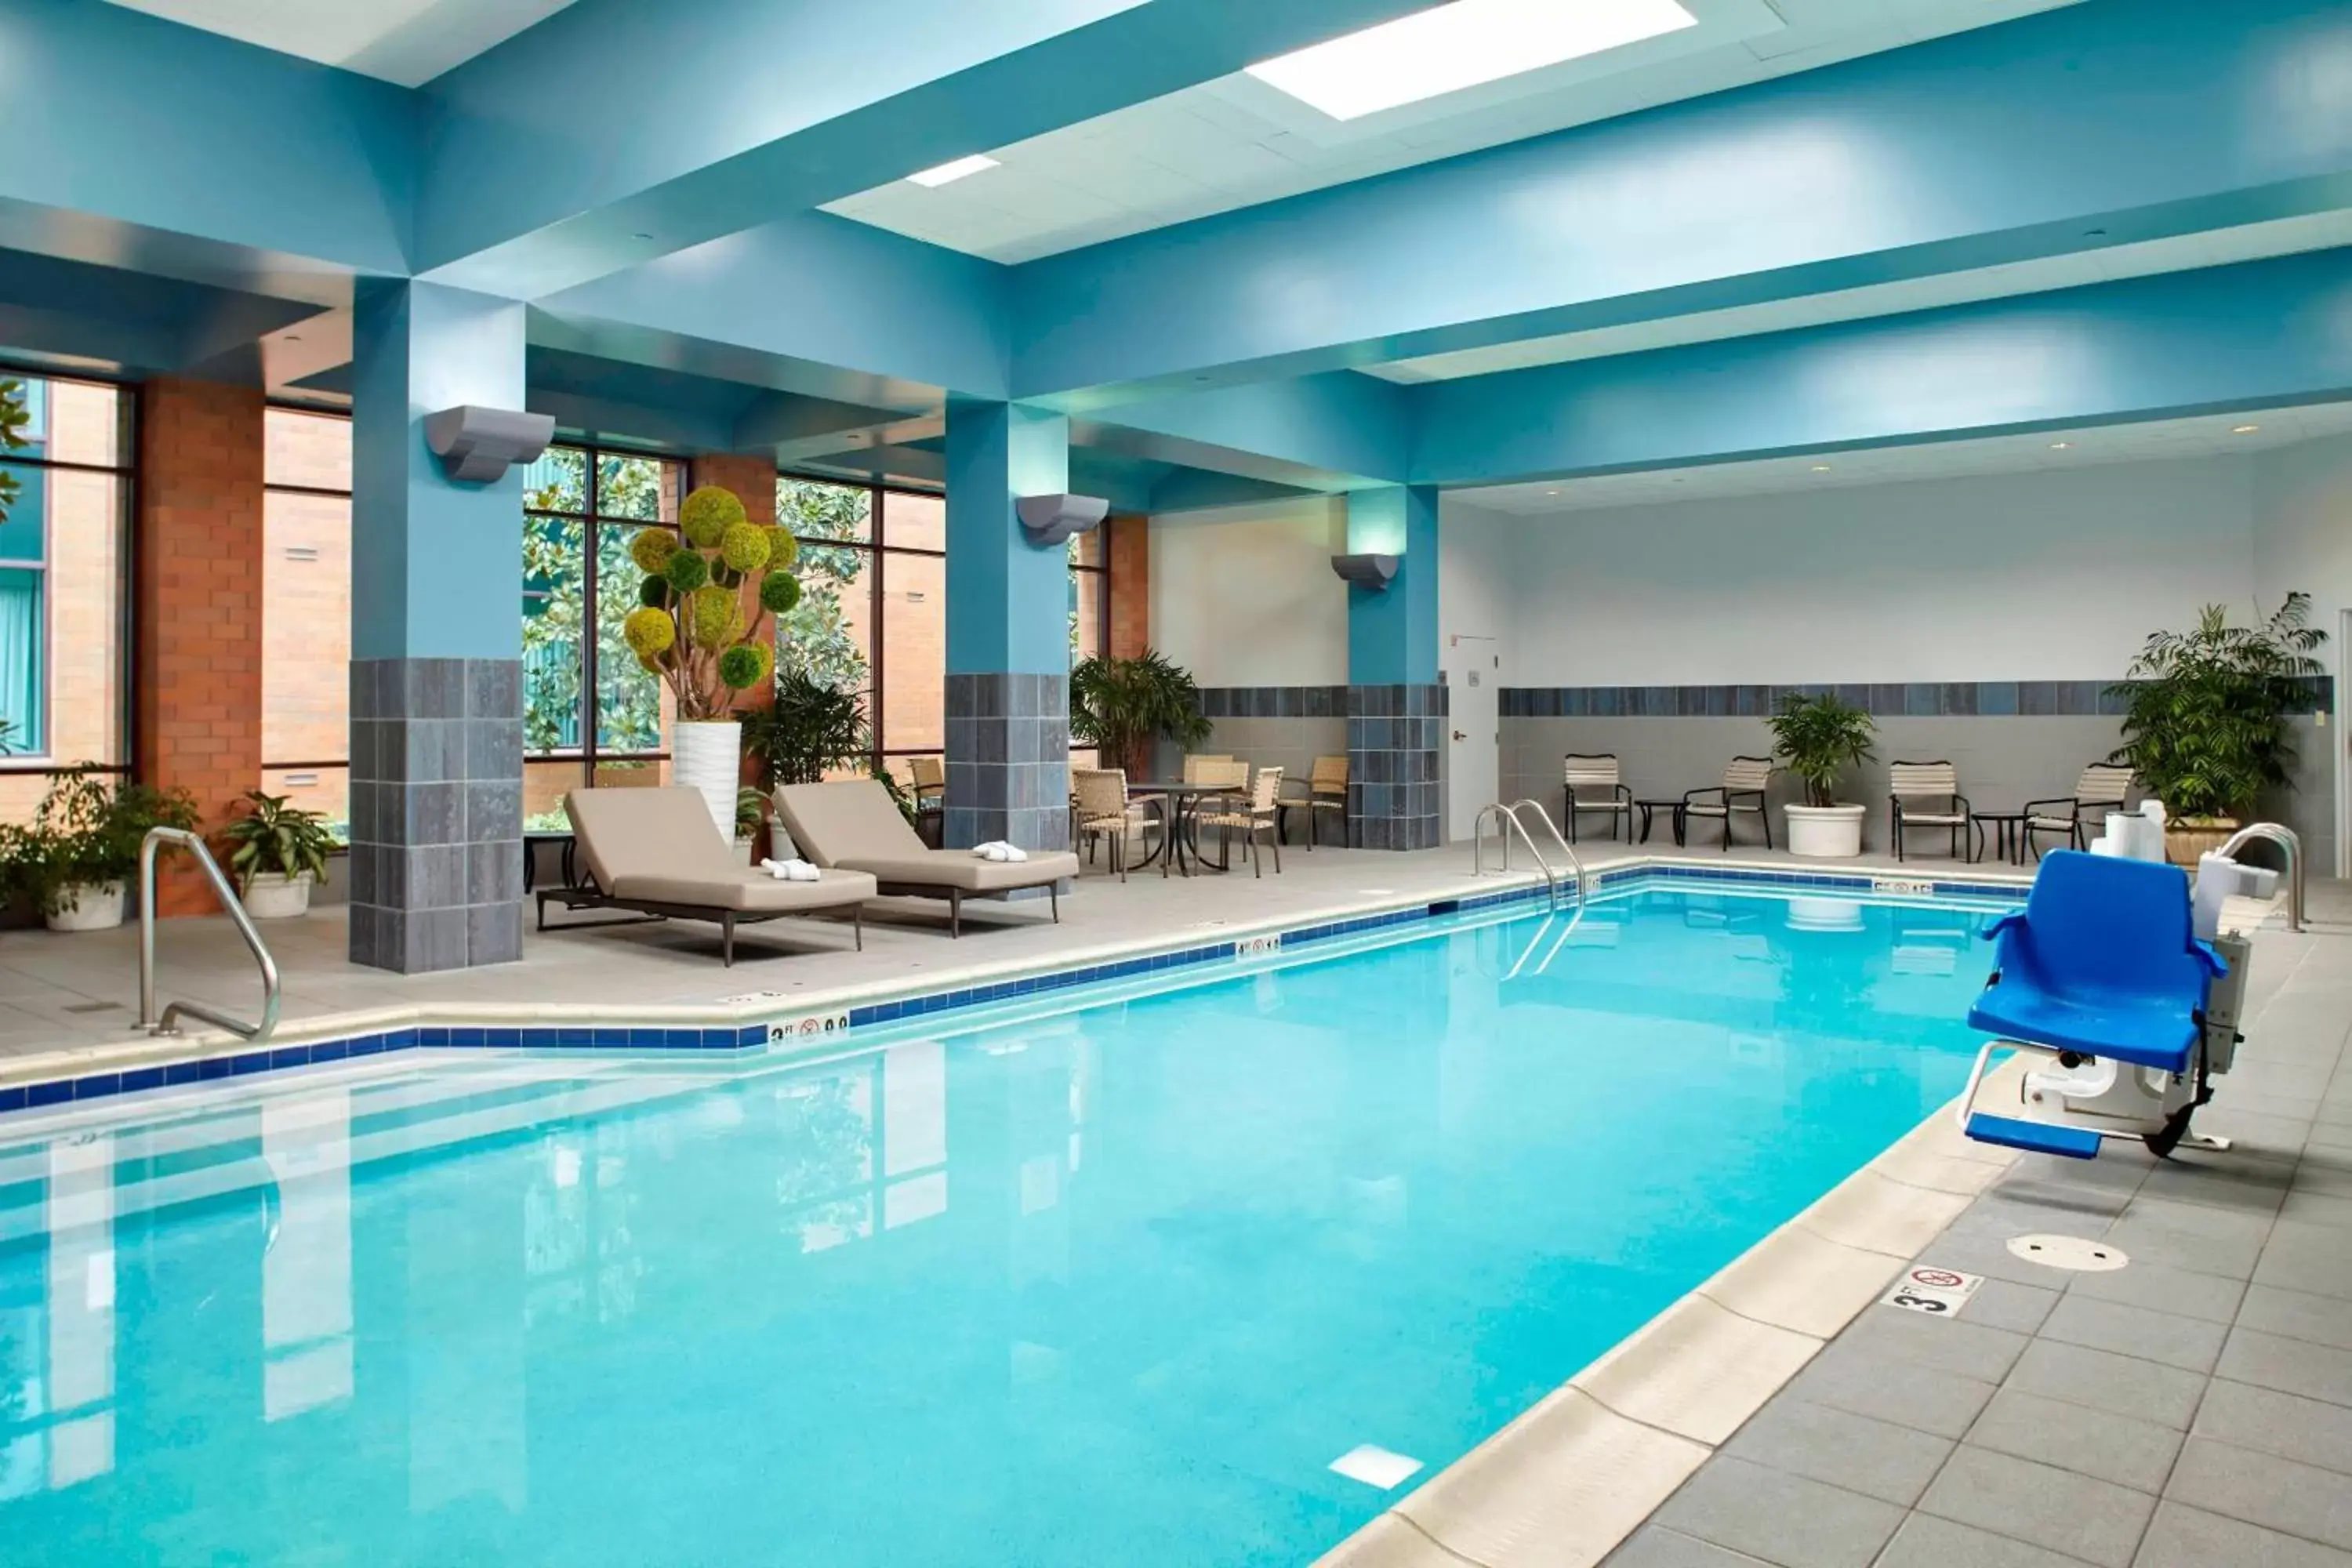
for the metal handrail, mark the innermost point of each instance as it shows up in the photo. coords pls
(1559, 838)
(2287, 839)
(1502, 814)
(169, 1024)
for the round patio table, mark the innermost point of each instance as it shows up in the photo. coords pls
(1183, 805)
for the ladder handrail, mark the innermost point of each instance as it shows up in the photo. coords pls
(2287, 838)
(169, 1024)
(1559, 838)
(1503, 813)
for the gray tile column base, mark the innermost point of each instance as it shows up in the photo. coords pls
(1395, 740)
(1008, 761)
(435, 814)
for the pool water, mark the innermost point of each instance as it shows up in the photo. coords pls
(1114, 1285)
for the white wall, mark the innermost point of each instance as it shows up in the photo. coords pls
(2050, 575)
(1246, 595)
(2303, 527)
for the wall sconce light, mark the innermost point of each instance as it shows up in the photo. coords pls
(1050, 519)
(1372, 571)
(477, 446)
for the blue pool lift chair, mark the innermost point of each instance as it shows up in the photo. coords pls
(2102, 965)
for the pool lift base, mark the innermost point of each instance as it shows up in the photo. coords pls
(2074, 1102)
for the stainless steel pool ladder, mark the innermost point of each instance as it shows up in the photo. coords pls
(1517, 826)
(169, 1024)
(2286, 840)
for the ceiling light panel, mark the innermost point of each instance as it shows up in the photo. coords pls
(1462, 44)
(948, 173)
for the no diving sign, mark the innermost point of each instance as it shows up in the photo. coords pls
(1938, 1292)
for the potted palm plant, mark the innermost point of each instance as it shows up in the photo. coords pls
(2205, 724)
(280, 852)
(1121, 706)
(705, 625)
(83, 845)
(1822, 739)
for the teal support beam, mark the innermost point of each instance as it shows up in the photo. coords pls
(1392, 631)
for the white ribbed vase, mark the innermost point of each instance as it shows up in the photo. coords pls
(709, 757)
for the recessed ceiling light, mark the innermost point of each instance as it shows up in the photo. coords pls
(2243, 429)
(1466, 44)
(1551, 492)
(947, 173)
(641, 236)
(2060, 445)
(1820, 467)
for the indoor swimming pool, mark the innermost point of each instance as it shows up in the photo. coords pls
(1112, 1281)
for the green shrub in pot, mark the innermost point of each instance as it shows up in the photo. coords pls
(280, 851)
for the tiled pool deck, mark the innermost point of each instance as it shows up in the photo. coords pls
(2194, 1409)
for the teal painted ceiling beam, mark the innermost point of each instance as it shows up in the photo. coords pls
(754, 110)
(2098, 125)
(1324, 433)
(2263, 333)
(140, 143)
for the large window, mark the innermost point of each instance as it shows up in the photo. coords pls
(874, 560)
(590, 713)
(65, 512)
(306, 608)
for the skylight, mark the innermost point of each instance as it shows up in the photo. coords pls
(946, 173)
(1465, 43)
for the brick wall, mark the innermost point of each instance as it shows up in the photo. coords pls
(1131, 586)
(198, 688)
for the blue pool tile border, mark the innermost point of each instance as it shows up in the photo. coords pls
(746, 1036)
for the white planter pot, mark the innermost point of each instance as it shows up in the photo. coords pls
(743, 848)
(89, 907)
(1824, 915)
(1825, 832)
(274, 895)
(709, 757)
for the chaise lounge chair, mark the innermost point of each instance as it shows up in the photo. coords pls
(853, 826)
(657, 852)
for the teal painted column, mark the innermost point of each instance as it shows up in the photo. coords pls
(1396, 709)
(1008, 656)
(436, 639)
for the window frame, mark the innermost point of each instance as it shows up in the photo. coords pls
(875, 549)
(46, 761)
(589, 753)
(328, 492)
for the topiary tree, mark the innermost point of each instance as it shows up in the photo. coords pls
(706, 602)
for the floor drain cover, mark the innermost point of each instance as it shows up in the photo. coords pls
(2068, 1252)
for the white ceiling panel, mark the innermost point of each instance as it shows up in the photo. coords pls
(1236, 141)
(2204, 435)
(404, 41)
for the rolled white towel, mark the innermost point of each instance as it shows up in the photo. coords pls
(802, 871)
(1014, 852)
(994, 849)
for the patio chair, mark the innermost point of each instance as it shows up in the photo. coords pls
(1326, 794)
(2103, 787)
(930, 782)
(855, 824)
(656, 853)
(1592, 785)
(1926, 794)
(1105, 812)
(1196, 760)
(1252, 818)
(1741, 794)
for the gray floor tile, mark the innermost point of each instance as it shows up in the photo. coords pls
(1783, 1519)
(2266, 1489)
(2313, 1208)
(2207, 1296)
(1927, 1541)
(2183, 1537)
(2120, 1385)
(2325, 1173)
(2273, 1422)
(1945, 1344)
(2005, 1304)
(2192, 1219)
(2293, 1366)
(1913, 1396)
(2240, 1182)
(2311, 1257)
(1653, 1546)
(2091, 1520)
(1988, 1256)
(2187, 1342)
(2298, 1315)
(2145, 1241)
(2135, 1454)
(2005, 1212)
(1873, 1457)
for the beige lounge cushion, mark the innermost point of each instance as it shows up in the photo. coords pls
(750, 892)
(853, 823)
(962, 869)
(626, 833)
